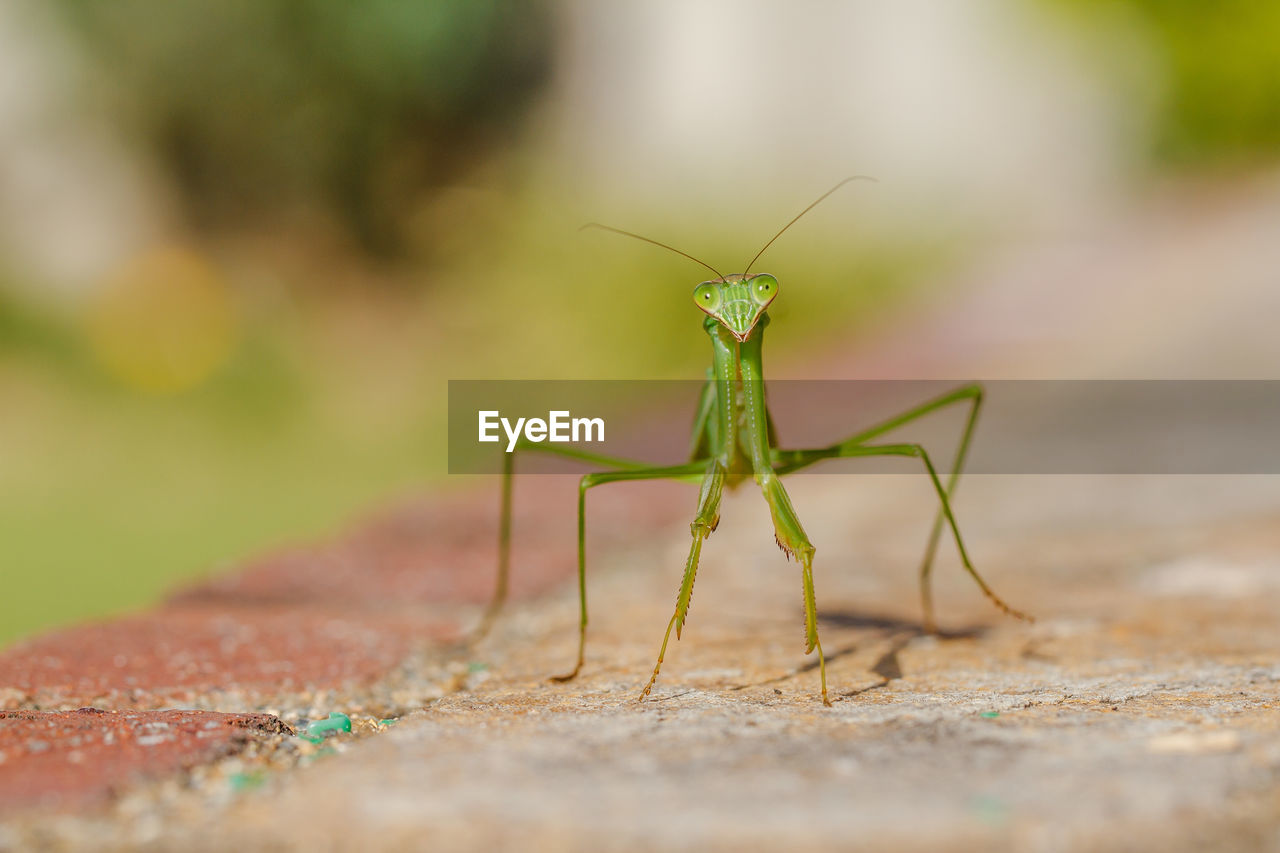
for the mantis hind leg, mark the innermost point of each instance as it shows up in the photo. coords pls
(788, 462)
(499, 598)
(704, 523)
(914, 450)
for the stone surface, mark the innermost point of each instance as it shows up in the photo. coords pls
(368, 623)
(178, 654)
(1140, 710)
(80, 759)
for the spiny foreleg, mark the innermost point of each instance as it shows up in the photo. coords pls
(704, 523)
(793, 541)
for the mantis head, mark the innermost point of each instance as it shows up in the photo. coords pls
(736, 301)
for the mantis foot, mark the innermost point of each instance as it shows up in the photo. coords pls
(569, 676)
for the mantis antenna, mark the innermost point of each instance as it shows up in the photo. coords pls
(654, 242)
(802, 213)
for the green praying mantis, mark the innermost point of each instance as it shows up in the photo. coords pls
(734, 439)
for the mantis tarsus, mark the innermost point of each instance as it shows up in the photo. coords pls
(733, 439)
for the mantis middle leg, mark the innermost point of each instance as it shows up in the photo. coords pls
(589, 481)
(504, 519)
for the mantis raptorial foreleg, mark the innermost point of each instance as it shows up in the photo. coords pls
(785, 464)
(704, 523)
(794, 542)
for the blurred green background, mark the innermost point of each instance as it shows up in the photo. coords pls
(243, 246)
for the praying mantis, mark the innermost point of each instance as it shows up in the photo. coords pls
(733, 440)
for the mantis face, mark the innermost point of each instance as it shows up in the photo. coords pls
(736, 301)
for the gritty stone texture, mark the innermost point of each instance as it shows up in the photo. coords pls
(367, 624)
(179, 653)
(80, 759)
(1138, 712)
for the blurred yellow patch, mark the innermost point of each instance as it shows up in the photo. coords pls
(164, 323)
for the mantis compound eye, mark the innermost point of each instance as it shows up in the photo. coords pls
(707, 296)
(763, 288)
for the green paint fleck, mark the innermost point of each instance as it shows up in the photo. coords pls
(990, 714)
(477, 666)
(337, 722)
(389, 721)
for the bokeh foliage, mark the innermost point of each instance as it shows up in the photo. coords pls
(258, 105)
(327, 400)
(1218, 71)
